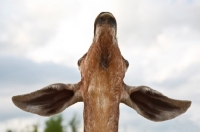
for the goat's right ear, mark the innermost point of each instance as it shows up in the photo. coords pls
(49, 100)
(152, 104)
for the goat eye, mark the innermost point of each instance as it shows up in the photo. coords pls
(79, 61)
(127, 63)
(112, 21)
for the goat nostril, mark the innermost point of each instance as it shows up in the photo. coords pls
(101, 20)
(111, 21)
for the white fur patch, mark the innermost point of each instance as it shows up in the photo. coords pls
(111, 30)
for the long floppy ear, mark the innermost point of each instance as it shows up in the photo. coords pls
(152, 104)
(49, 100)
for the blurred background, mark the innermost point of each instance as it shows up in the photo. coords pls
(42, 40)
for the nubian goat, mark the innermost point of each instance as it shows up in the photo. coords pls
(102, 88)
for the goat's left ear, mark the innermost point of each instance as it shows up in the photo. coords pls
(49, 100)
(152, 104)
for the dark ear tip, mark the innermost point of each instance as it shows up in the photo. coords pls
(14, 99)
(186, 105)
(189, 103)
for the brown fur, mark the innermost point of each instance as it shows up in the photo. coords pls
(103, 70)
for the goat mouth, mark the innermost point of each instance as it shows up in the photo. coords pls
(105, 18)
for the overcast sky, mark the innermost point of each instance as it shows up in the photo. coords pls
(41, 41)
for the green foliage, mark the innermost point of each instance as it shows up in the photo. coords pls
(35, 128)
(73, 123)
(54, 124)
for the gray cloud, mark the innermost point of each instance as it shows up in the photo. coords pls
(20, 70)
(20, 76)
(182, 78)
